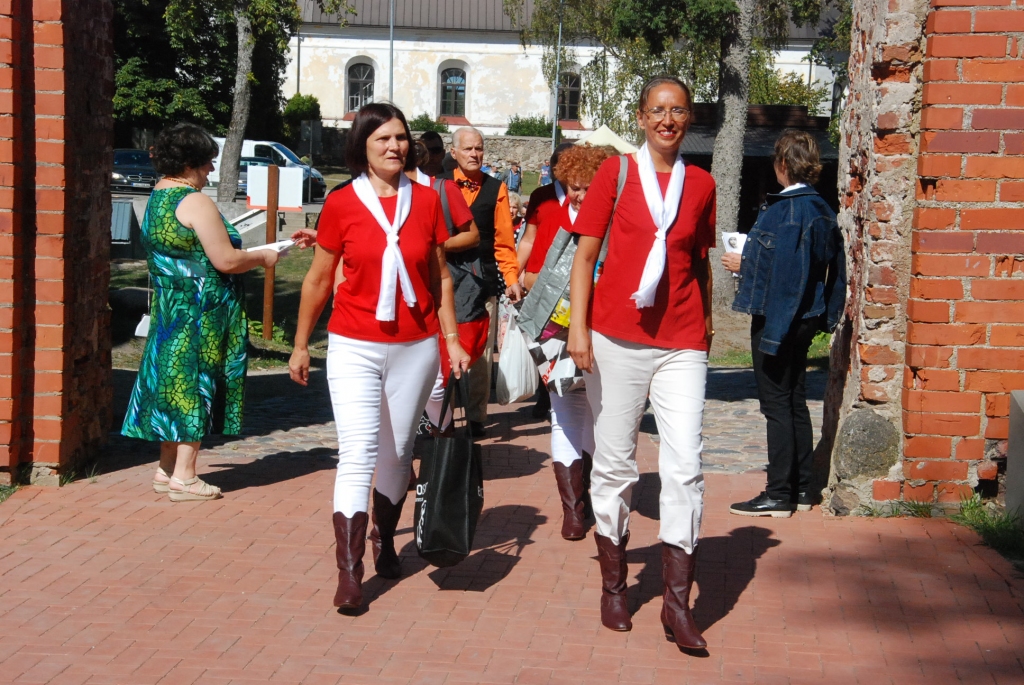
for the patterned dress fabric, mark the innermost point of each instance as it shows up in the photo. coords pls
(191, 381)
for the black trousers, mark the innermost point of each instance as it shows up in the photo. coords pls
(781, 390)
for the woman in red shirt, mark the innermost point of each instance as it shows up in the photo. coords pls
(388, 235)
(572, 423)
(651, 320)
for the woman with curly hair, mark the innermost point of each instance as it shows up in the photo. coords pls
(191, 380)
(572, 423)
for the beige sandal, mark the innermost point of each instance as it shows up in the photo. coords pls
(160, 486)
(186, 494)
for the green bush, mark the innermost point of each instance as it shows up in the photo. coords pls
(538, 127)
(424, 123)
(299, 108)
(256, 331)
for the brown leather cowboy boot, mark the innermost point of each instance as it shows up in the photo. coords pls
(570, 490)
(382, 537)
(350, 534)
(677, 569)
(612, 558)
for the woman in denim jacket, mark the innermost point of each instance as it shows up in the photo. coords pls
(793, 283)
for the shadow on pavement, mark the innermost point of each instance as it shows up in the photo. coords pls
(273, 468)
(725, 566)
(733, 385)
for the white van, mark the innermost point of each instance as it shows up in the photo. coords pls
(315, 186)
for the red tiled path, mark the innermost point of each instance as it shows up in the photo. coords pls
(106, 582)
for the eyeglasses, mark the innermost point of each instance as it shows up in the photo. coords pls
(658, 113)
(435, 150)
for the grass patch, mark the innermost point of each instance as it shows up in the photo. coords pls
(1002, 531)
(6, 491)
(737, 358)
(817, 355)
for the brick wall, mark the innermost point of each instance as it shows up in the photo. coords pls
(965, 336)
(56, 83)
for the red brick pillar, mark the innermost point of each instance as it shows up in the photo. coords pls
(56, 83)
(965, 338)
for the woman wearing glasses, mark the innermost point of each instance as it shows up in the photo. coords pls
(650, 312)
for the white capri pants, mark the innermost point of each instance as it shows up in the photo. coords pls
(572, 427)
(624, 374)
(378, 391)
(435, 401)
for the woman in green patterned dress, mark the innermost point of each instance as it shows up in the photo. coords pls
(191, 380)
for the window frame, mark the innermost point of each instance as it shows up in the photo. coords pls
(565, 90)
(444, 87)
(352, 93)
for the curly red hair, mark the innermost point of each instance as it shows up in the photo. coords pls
(577, 165)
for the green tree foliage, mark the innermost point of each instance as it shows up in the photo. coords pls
(300, 108)
(424, 123)
(175, 62)
(538, 126)
(771, 86)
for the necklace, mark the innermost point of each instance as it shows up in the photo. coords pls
(183, 181)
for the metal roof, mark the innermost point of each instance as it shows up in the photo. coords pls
(757, 142)
(452, 15)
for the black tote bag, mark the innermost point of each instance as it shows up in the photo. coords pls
(449, 491)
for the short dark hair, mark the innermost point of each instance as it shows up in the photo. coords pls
(661, 80)
(797, 151)
(432, 138)
(183, 146)
(420, 151)
(368, 119)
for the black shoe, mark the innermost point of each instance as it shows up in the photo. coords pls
(805, 501)
(476, 429)
(763, 505)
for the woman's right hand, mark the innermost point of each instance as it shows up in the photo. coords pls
(580, 348)
(304, 237)
(298, 366)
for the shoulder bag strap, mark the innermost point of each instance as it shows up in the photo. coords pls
(619, 185)
(445, 207)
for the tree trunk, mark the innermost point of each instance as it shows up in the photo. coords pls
(239, 107)
(733, 94)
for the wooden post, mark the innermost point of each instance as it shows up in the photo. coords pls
(273, 179)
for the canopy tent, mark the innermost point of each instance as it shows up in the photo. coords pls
(606, 136)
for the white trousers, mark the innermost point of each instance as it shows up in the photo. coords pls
(624, 375)
(436, 400)
(378, 391)
(572, 427)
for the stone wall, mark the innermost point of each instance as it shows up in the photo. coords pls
(877, 178)
(529, 152)
(56, 84)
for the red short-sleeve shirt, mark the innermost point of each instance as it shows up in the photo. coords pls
(543, 201)
(550, 222)
(457, 207)
(676, 319)
(346, 226)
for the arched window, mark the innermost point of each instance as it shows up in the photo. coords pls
(569, 97)
(453, 92)
(360, 86)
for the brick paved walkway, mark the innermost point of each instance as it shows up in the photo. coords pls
(106, 582)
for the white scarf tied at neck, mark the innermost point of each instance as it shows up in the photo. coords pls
(422, 178)
(663, 211)
(392, 266)
(573, 213)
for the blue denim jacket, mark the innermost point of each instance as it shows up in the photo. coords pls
(794, 265)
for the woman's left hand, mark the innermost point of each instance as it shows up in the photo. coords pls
(731, 261)
(459, 357)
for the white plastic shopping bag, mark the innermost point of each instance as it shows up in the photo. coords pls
(517, 371)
